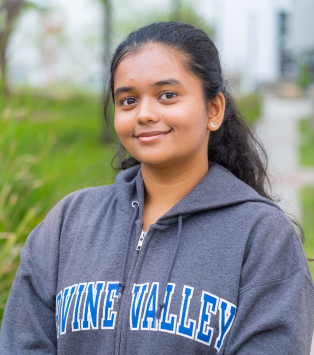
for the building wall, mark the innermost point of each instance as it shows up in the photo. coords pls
(302, 27)
(247, 36)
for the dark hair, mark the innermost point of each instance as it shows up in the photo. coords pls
(233, 145)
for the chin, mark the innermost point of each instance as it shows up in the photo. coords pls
(153, 162)
(152, 159)
(158, 163)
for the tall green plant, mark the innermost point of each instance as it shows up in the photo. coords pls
(304, 75)
(48, 149)
(19, 210)
(250, 106)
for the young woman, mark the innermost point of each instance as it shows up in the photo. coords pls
(185, 253)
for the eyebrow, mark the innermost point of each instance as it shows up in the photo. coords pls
(123, 89)
(174, 82)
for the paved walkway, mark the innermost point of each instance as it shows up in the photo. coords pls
(278, 130)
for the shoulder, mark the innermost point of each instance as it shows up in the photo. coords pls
(75, 208)
(83, 201)
(270, 225)
(264, 213)
(273, 250)
(89, 195)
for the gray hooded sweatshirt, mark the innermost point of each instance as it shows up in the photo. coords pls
(222, 272)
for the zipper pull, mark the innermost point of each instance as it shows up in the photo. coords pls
(141, 240)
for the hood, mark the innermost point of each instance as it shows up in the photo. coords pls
(219, 188)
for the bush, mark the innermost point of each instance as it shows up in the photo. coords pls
(306, 148)
(20, 208)
(250, 106)
(307, 199)
(48, 148)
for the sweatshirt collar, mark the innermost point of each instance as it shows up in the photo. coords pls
(219, 188)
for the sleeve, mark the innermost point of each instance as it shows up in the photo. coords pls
(28, 325)
(275, 311)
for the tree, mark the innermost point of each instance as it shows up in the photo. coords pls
(181, 10)
(107, 6)
(107, 37)
(176, 12)
(108, 30)
(10, 11)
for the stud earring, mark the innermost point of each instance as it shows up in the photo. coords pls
(214, 124)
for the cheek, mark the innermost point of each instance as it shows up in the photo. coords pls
(117, 126)
(191, 119)
(122, 126)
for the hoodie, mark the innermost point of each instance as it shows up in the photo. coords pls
(223, 271)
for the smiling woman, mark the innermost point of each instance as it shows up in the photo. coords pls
(153, 109)
(163, 121)
(206, 261)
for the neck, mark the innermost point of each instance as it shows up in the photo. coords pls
(167, 186)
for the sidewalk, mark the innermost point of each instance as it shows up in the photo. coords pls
(278, 131)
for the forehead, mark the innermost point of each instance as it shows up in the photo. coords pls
(151, 62)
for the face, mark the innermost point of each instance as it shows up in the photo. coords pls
(160, 114)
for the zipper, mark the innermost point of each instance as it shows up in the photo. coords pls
(141, 240)
(123, 305)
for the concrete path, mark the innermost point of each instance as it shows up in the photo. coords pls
(278, 131)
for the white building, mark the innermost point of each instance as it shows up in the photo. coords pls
(252, 39)
(302, 26)
(302, 32)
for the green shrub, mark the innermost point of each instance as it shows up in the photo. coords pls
(48, 148)
(250, 106)
(307, 199)
(20, 208)
(306, 148)
(304, 75)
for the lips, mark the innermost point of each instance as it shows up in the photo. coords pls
(151, 136)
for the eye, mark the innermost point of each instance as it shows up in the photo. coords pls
(168, 95)
(128, 101)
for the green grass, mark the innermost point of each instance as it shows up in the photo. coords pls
(48, 148)
(307, 198)
(306, 159)
(250, 106)
(306, 148)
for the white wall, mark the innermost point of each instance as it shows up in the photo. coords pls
(303, 26)
(246, 36)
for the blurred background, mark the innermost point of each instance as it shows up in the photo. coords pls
(54, 57)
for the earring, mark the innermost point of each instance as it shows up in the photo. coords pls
(214, 124)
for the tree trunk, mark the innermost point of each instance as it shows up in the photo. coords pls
(176, 10)
(108, 30)
(12, 9)
(105, 135)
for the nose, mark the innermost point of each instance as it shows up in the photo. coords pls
(147, 112)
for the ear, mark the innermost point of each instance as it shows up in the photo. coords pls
(216, 112)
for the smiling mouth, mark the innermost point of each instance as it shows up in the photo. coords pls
(151, 136)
